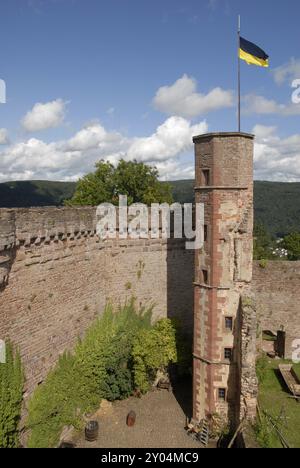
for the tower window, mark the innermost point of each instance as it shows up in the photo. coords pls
(205, 276)
(229, 323)
(228, 353)
(222, 394)
(206, 177)
(205, 233)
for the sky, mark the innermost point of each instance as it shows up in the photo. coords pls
(137, 79)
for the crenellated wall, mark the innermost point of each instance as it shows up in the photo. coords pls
(56, 276)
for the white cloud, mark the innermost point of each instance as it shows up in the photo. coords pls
(262, 132)
(44, 116)
(276, 158)
(253, 104)
(173, 137)
(70, 159)
(182, 99)
(4, 139)
(287, 72)
(176, 170)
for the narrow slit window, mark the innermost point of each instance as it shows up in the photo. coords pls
(228, 353)
(206, 177)
(222, 394)
(229, 323)
(205, 233)
(205, 276)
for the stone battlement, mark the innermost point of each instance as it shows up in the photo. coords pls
(35, 225)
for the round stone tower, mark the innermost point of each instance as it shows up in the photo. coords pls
(224, 184)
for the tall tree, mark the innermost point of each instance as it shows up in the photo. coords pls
(263, 243)
(138, 181)
(292, 244)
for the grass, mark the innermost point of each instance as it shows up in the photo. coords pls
(273, 397)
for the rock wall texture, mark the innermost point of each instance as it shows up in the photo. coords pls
(56, 276)
(277, 294)
(247, 357)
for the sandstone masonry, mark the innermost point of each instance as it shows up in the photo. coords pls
(278, 300)
(224, 342)
(56, 276)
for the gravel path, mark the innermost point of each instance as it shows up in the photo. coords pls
(160, 423)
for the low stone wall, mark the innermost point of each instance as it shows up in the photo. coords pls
(277, 292)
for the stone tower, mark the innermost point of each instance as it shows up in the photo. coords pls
(224, 339)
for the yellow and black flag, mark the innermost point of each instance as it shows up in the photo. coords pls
(252, 54)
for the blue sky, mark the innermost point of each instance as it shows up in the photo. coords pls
(91, 79)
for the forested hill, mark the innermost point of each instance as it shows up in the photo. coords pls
(277, 205)
(35, 193)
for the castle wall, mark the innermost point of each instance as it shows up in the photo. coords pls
(277, 294)
(56, 276)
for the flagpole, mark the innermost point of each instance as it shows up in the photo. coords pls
(239, 75)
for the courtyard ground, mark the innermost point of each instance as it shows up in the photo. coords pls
(274, 398)
(160, 422)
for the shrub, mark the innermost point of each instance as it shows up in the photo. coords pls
(263, 263)
(54, 404)
(11, 393)
(153, 350)
(101, 367)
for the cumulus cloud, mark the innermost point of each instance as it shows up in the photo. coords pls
(253, 104)
(44, 116)
(173, 137)
(287, 72)
(4, 139)
(276, 158)
(70, 159)
(182, 99)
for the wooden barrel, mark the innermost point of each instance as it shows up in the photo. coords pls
(131, 418)
(91, 431)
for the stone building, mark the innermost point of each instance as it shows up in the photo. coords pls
(225, 319)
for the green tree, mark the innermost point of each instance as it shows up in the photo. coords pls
(136, 180)
(153, 350)
(263, 243)
(292, 244)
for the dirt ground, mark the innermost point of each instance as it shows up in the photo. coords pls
(160, 422)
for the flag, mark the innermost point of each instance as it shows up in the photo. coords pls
(252, 54)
